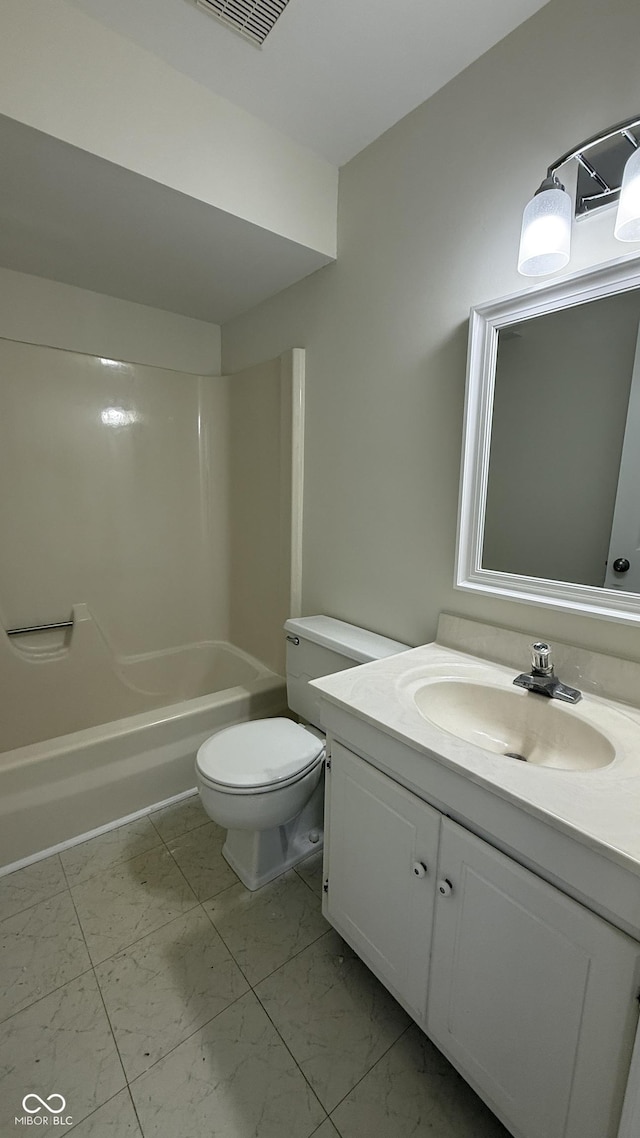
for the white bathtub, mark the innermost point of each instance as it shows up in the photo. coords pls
(53, 790)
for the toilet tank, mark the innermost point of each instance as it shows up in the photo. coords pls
(318, 646)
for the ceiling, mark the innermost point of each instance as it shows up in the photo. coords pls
(73, 217)
(333, 74)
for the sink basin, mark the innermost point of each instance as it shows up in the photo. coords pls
(520, 725)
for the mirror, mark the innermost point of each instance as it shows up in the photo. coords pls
(550, 489)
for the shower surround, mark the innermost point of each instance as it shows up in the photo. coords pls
(158, 513)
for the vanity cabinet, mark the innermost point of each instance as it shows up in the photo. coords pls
(531, 995)
(380, 874)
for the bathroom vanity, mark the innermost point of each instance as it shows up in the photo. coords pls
(497, 899)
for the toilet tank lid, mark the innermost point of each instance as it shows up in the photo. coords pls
(263, 752)
(347, 639)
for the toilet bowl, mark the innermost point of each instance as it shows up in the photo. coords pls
(258, 775)
(263, 780)
(257, 779)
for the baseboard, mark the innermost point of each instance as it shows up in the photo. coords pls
(80, 838)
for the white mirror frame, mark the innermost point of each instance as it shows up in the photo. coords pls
(484, 325)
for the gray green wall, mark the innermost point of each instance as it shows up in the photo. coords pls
(429, 221)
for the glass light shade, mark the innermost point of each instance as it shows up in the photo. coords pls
(545, 240)
(627, 226)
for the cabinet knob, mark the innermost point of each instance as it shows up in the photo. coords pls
(445, 887)
(419, 869)
(621, 565)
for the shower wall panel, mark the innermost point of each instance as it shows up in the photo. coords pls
(265, 441)
(115, 494)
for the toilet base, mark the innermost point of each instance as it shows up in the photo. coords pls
(258, 856)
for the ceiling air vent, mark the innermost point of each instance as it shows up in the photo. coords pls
(254, 19)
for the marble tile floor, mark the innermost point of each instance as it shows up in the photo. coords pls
(143, 983)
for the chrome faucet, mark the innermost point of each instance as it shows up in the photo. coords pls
(542, 678)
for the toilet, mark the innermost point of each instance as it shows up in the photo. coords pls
(263, 780)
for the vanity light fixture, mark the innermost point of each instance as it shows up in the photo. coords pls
(545, 240)
(628, 219)
(611, 173)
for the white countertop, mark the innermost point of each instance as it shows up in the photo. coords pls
(600, 808)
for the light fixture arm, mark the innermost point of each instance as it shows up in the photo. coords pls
(625, 128)
(586, 165)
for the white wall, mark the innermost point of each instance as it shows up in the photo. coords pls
(69, 76)
(429, 222)
(39, 311)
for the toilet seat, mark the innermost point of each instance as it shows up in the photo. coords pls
(259, 756)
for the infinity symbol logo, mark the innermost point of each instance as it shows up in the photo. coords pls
(41, 1102)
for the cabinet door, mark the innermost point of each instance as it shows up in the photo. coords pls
(531, 995)
(381, 862)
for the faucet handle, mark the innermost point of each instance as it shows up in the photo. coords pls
(541, 662)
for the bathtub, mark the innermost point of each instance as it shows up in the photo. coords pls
(55, 788)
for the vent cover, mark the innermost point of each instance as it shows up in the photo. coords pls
(254, 19)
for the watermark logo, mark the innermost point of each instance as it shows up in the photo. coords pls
(46, 1103)
(43, 1111)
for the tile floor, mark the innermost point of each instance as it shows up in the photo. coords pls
(145, 984)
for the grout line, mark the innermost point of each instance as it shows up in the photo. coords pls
(126, 948)
(113, 1034)
(150, 932)
(183, 875)
(46, 995)
(255, 993)
(372, 1067)
(367, 1072)
(327, 1119)
(111, 866)
(290, 958)
(32, 904)
(221, 892)
(95, 1109)
(230, 1004)
(162, 843)
(128, 1081)
(95, 976)
(293, 1058)
(64, 874)
(69, 884)
(187, 1037)
(182, 834)
(135, 1109)
(217, 930)
(308, 885)
(232, 954)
